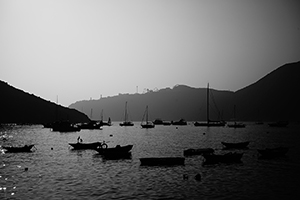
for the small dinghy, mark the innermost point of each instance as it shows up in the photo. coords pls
(237, 145)
(80, 145)
(115, 152)
(25, 148)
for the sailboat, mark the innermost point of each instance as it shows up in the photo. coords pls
(103, 123)
(126, 122)
(209, 122)
(235, 124)
(146, 124)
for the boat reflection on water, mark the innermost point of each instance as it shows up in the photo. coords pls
(222, 158)
(273, 152)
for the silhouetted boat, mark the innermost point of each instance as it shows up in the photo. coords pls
(236, 124)
(64, 126)
(222, 158)
(80, 145)
(12, 149)
(161, 122)
(115, 152)
(237, 145)
(146, 124)
(158, 122)
(279, 124)
(90, 125)
(208, 121)
(201, 151)
(103, 123)
(273, 152)
(167, 123)
(181, 122)
(158, 161)
(126, 122)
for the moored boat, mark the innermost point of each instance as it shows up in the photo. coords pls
(158, 121)
(90, 125)
(158, 161)
(126, 121)
(180, 122)
(16, 149)
(80, 145)
(146, 124)
(161, 122)
(64, 126)
(209, 123)
(114, 151)
(236, 145)
(236, 125)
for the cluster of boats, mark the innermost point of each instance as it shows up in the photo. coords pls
(124, 152)
(210, 157)
(66, 126)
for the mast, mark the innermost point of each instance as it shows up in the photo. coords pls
(146, 114)
(101, 115)
(125, 112)
(207, 100)
(91, 113)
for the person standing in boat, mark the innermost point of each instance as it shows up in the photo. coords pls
(79, 139)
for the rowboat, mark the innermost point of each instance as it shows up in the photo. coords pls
(11, 149)
(273, 152)
(80, 145)
(237, 145)
(222, 158)
(115, 152)
(158, 161)
(201, 151)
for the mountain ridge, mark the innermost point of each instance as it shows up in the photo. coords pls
(267, 99)
(18, 106)
(271, 98)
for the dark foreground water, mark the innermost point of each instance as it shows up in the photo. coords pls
(57, 172)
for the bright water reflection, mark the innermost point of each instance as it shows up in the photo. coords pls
(57, 172)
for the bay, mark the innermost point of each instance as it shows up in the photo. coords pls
(55, 171)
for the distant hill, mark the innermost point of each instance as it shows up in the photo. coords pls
(272, 98)
(18, 106)
(169, 104)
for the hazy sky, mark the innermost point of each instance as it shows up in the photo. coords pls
(78, 49)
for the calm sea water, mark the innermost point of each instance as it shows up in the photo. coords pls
(57, 172)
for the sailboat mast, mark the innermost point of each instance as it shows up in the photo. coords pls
(147, 115)
(125, 112)
(207, 100)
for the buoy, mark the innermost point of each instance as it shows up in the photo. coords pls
(51, 148)
(203, 133)
(198, 177)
